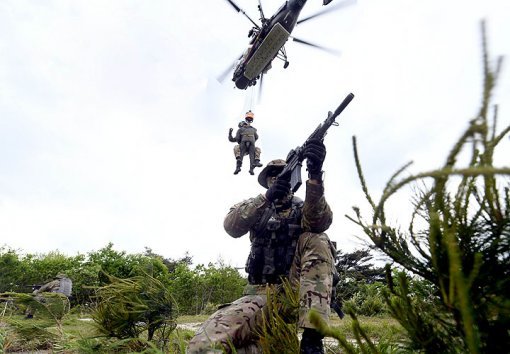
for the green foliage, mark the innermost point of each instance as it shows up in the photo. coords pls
(45, 330)
(278, 332)
(196, 290)
(5, 341)
(127, 307)
(360, 282)
(365, 343)
(12, 270)
(123, 265)
(169, 263)
(18, 273)
(202, 288)
(368, 300)
(458, 241)
(357, 267)
(423, 317)
(48, 305)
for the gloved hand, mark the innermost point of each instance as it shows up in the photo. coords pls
(315, 153)
(231, 130)
(279, 189)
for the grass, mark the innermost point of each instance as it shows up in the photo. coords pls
(77, 328)
(375, 327)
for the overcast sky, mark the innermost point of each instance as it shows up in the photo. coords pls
(113, 126)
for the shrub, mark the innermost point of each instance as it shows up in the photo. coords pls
(457, 242)
(127, 307)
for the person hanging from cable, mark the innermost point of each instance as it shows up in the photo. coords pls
(245, 138)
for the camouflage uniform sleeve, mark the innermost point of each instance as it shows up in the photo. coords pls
(230, 137)
(317, 215)
(48, 287)
(244, 215)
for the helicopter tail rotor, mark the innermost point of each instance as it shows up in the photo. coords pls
(262, 16)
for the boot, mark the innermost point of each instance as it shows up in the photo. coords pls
(251, 170)
(311, 342)
(257, 163)
(238, 167)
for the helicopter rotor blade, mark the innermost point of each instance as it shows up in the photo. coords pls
(259, 98)
(326, 49)
(234, 5)
(238, 9)
(229, 69)
(224, 74)
(327, 10)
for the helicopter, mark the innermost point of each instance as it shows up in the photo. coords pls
(267, 40)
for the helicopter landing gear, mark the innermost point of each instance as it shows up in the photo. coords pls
(282, 55)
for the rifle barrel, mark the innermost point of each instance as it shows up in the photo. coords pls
(344, 104)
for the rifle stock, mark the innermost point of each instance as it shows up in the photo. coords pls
(292, 170)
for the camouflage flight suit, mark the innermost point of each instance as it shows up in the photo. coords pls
(61, 284)
(308, 264)
(238, 139)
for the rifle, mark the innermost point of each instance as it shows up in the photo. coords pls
(33, 286)
(337, 308)
(295, 156)
(335, 304)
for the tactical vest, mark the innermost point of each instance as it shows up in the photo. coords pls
(273, 245)
(248, 134)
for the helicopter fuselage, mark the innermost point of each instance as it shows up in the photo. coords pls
(287, 15)
(267, 42)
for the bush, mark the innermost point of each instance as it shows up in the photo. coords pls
(457, 242)
(368, 300)
(127, 307)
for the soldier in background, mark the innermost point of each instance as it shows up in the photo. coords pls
(60, 284)
(287, 242)
(245, 138)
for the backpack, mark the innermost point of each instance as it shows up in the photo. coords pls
(66, 287)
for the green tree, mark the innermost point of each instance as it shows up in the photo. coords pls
(183, 284)
(458, 241)
(123, 265)
(12, 271)
(356, 269)
(170, 263)
(201, 288)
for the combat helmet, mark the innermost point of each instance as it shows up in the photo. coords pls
(60, 276)
(271, 168)
(249, 116)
